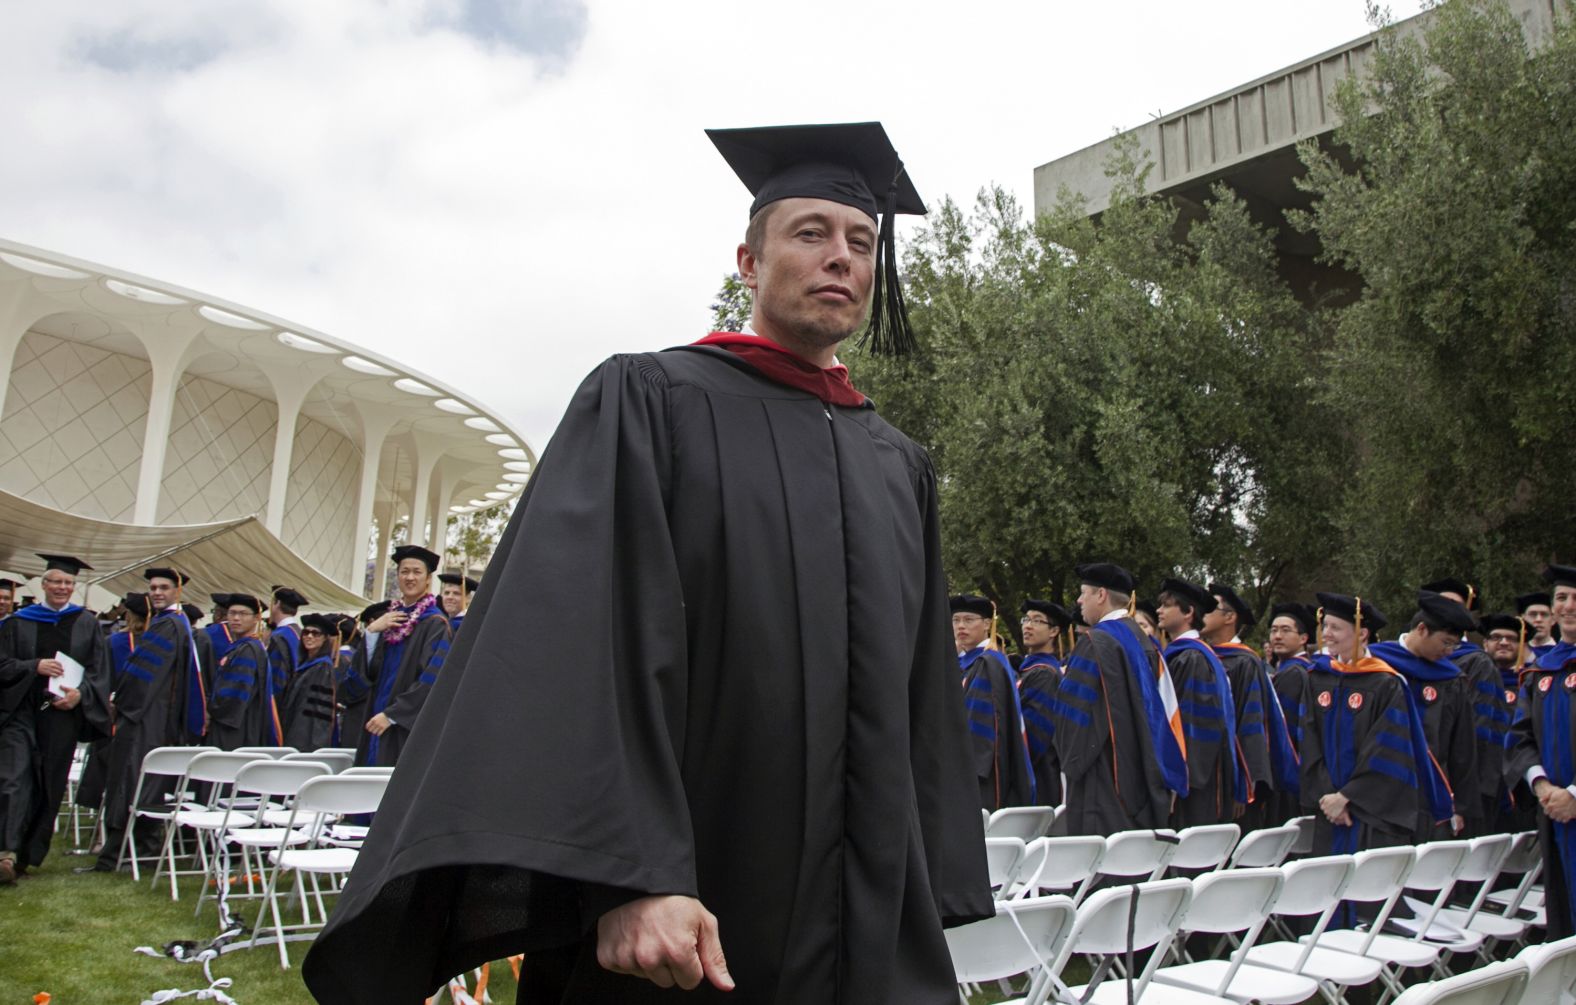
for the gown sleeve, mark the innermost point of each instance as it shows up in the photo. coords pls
(544, 766)
(407, 705)
(234, 686)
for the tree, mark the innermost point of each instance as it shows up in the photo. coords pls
(1453, 196)
(472, 537)
(731, 310)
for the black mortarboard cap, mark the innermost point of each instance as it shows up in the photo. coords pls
(193, 613)
(455, 579)
(1443, 614)
(405, 551)
(64, 563)
(289, 597)
(1339, 605)
(1300, 613)
(1502, 623)
(220, 599)
(1459, 587)
(164, 572)
(970, 603)
(852, 163)
(245, 600)
(1559, 575)
(1199, 597)
(1106, 575)
(1056, 612)
(1149, 608)
(1245, 618)
(136, 603)
(372, 612)
(1527, 600)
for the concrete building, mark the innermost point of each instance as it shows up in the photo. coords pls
(132, 403)
(1247, 138)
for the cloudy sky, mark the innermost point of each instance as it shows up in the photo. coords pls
(502, 192)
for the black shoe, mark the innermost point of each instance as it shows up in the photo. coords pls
(95, 867)
(7, 872)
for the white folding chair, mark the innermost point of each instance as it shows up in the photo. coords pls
(1264, 849)
(1438, 873)
(1482, 866)
(1315, 887)
(1023, 938)
(1069, 865)
(165, 762)
(216, 769)
(1229, 902)
(1206, 846)
(1551, 972)
(1109, 924)
(1379, 877)
(1022, 822)
(249, 828)
(1525, 901)
(1304, 843)
(1003, 859)
(1495, 984)
(1137, 855)
(367, 770)
(317, 801)
(274, 752)
(337, 760)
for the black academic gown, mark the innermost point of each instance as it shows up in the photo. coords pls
(1001, 757)
(239, 709)
(1211, 755)
(1038, 678)
(308, 709)
(1544, 735)
(399, 681)
(1290, 679)
(710, 658)
(38, 741)
(1490, 722)
(1114, 780)
(1250, 689)
(1448, 724)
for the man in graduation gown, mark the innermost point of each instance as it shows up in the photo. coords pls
(1293, 627)
(308, 708)
(1536, 609)
(1505, 642)
(1541, 752)
(1118, 729)
(39, 728)
(399, 662)
(1263, 739)
(990, 694)
(241, 713)
(1039, 675)
(284, 646)
(218, 631)
(1367, 773)
(1217, 785)
(159, 703)
(710, 668)
(1422, 655)
(455, 595)
(121, 645)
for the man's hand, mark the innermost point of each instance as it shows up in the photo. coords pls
(666, 940)
(1334, 807)
(50, 668)
(1457, 823)
(1558, 803)
(378, 724)
(388, 620)
(69, 702)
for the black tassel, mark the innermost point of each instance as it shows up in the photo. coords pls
(889, 333)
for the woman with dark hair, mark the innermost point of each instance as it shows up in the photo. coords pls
(308, 710)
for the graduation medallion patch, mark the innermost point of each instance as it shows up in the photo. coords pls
(1570, 682)
(1510, 697)
(1543, 684)
(1324, 699)
(1354, 701)
(1429, 694)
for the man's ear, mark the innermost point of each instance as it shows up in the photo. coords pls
(747, 264)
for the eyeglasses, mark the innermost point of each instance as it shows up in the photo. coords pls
(1035, 621)
(311, 631)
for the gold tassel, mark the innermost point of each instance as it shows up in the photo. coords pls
(1521, 643)
(1357, 635)
(1318, 631)
(993, 641)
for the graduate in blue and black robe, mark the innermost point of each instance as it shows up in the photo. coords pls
(1039, 675)
(1292, 627)
(1217, 789)
(309, 709)
(1541, 755)
(1504, 642)
(1263, 739)
(219, 636)
(240, 712)
(400, 660)
(995, 718)
(121, 645)
(1536, 609)
(455, 595)
(284, 651)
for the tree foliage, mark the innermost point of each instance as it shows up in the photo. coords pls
(1454, 198)
(730, 312)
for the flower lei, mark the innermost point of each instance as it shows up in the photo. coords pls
(400, 632)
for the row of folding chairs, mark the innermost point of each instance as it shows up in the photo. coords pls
(1259, 911)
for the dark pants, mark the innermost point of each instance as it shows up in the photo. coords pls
(57, 744)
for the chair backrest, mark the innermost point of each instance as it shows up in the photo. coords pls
(1137, 853)
(1379, 873)
(1003, 857)
(367, 770)
(270, 751)
(1265, 848)
(1022, 936)
(1232, 900)
(1022, 822)
(1029, 868)
(1495, 984)
(1437, 864)
(171, 760)
(1551, 972)
(1314, 885)
(1102, 924)
(341, 794)
(1525, 852)
(219, 766)
(337, 760)
(1204, 847)
(1483, 857)
(1304, 843)
(1070, 861)
(278, 778)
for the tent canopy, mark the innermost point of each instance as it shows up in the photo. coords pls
(234, 556)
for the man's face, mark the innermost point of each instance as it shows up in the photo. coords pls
(1431, 644)
(1222, 621)
(814, 270)
(1173, 620)
(453, 600)
(58, 587)
(1501, 645)
(1565, 611)
(413, 579)
(1093, 602)
(1286, 637)
(241, 619)
(1539, 617)
(7, 600)
(969, 630)
(276, 614)
(1038, 630)
(161, 592)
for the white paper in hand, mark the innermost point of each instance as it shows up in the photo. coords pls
(72, 677)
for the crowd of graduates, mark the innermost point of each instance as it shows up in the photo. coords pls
(1139, 714)
(149, 673)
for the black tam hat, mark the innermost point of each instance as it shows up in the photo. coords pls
(328, 624)
(193, 613)
(174, 575)
(1502, 623)
(1055, 612)
(416, 551)
(136, 603)
(1440, 613)
(1227, 595)
(245, 600)
(289, 598)
(1302, 614)
(1560, 575)
(1200, 598)
(969, 603)
(1106, 576)
(1527, 600)
(1148, 607)
(64, 563)
(1460, 588)
(852, 163)
(455, 579)
(9, 584)
(1337, 605)
(373, 612)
